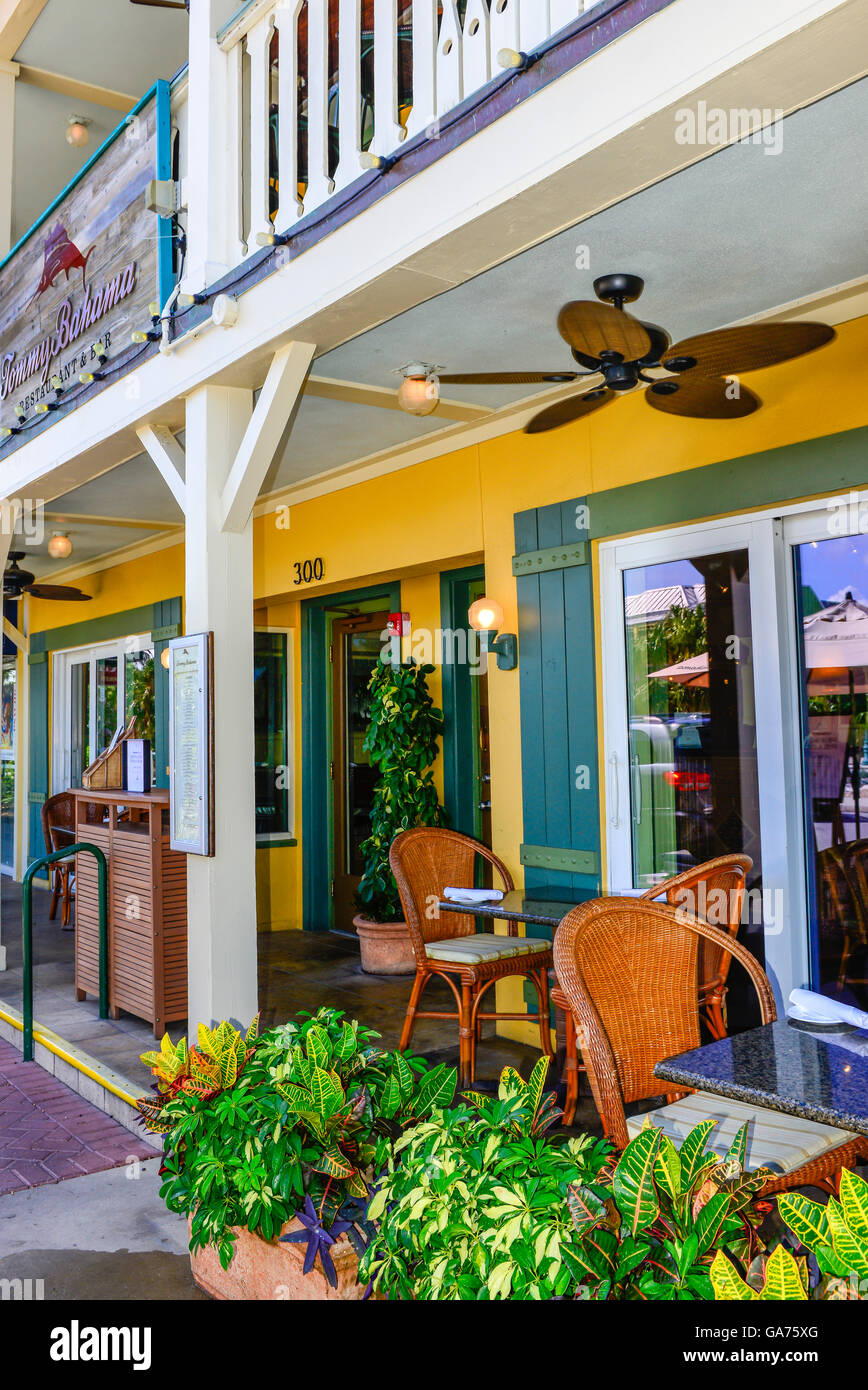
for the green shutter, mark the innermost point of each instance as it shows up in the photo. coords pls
(558, 705)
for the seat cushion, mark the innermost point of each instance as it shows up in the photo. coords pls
(782, 1143)
(484, 947)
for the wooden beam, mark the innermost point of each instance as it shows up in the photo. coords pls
(274, 410)
(17, 18)
(383, 398)
(73, 519)
(168, 457)
(75, 90)
(17, 638)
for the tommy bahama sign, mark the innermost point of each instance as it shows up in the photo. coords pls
(83, 280)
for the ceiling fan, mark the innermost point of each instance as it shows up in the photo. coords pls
(17, 582)
(619, 349)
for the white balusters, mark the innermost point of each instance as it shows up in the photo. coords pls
(258, 45)
(424, 66)
(286, 22)
(535, 25)
(349, 91)
(504, 28)
(234, 210)
(563, 12)
(388, 134)
(475, 52)
(319, 184)
(450, 87)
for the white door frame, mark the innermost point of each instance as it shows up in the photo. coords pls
(779, 770)
(61, 674)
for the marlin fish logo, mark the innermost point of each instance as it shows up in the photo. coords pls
(60, 254)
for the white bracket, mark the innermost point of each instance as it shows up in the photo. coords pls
(168, 457)
(275, 408)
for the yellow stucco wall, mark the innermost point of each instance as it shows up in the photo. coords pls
(459, 508)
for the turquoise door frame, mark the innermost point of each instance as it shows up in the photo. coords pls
(460, 792)
(316, 744)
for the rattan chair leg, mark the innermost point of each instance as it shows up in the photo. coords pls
(55, 894)
(410, 1016)
(571, 1070)
(714, 1017)
(67, 898)
(541, 982)
(465, 1037)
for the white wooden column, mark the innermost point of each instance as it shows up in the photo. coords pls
(8, 74)
(221, 890)
(213, 181)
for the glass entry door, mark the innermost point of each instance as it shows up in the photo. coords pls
(357, 641)
(96, 691)
(701, 728)
(830, 575)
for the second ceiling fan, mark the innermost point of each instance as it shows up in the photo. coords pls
(611, 344)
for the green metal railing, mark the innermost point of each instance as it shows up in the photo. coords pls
(27, 932)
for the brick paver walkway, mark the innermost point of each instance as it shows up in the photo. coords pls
(47, 1132)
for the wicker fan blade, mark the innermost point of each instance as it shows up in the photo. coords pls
(702, 398)
(503, 378)
(58, 592)
(573, 408)
(592, 329)
(732, 350)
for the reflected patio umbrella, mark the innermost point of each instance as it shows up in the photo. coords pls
(692, 671)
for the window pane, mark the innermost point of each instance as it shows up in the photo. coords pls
(692, 737)
(79, 721)
(106, 701)
(271, 742)
(139, 691)
(833, 637)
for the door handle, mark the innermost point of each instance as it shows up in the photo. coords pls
(615, 808)
(636, 788)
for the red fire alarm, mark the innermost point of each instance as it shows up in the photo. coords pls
(399, 625)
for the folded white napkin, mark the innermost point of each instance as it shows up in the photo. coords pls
(472, 896)
(805, 1004)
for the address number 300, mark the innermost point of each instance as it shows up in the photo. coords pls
(307, 571)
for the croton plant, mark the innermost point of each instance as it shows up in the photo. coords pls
(294, 1122)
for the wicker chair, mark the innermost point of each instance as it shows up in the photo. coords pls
(425, 862)
(725, 874)
(628, 968)
(58, 831)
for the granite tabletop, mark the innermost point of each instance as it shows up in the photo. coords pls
(820, 1076)
(516, 907)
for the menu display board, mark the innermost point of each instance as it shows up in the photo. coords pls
(191, 748)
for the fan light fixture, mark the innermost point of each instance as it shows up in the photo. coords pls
(60, 546)
(77, 133)
(419, 392)
(485, 616)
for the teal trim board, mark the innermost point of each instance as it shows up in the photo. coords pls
(560, 783)
(316, 743)
(832, 463)
(459, 789)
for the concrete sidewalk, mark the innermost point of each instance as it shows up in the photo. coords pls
(102, 1236)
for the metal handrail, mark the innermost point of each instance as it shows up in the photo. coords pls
(27, 932)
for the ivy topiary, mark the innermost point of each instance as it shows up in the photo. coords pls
(402, 741)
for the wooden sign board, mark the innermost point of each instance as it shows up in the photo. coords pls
(85, 276)
(191, 744)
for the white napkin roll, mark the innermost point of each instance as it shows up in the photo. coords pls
(472, 896)
(819, 1006)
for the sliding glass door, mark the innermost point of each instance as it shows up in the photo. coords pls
(96, 691)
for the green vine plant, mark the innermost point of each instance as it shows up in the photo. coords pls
(403, 743)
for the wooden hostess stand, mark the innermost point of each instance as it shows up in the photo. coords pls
(147, 907)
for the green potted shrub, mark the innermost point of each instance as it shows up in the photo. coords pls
(272, 1143)
(402, 741)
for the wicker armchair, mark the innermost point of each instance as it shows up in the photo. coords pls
(425, 862)
(628, 968)
(692, 890)
(58, 831)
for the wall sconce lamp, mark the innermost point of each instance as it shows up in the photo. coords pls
(485, 617)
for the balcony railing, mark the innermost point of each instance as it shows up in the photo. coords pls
(356, 77)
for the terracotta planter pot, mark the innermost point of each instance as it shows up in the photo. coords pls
(261, 1269)
(386, 947)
